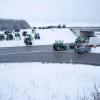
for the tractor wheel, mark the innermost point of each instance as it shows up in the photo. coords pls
(30, 43)
(39, 37)
(58, 48)
(65, 48)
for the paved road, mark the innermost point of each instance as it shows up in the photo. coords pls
(45, 53)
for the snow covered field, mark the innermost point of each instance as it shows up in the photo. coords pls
(38, 81)
(47, 37)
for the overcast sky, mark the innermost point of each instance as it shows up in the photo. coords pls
(45, 11)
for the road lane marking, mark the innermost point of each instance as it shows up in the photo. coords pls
(35, 52)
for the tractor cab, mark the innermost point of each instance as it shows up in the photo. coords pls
(36, 35)
(82, 39)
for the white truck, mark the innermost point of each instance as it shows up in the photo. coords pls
(94, 41)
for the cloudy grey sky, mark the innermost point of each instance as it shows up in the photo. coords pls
(40, 11)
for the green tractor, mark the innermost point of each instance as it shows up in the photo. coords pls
(82, 39)
(28, 40)
(59, 46)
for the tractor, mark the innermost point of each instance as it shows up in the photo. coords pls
(59, 46)
(28, 40)
(81, 39)
(37, 36)
(2, 37)
(9, 35)
(24, 33)
(17, 34)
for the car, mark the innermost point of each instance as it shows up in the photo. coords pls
(82, 49)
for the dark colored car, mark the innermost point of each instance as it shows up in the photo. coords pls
(82, 49)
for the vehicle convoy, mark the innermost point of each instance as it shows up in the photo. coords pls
(77, 47)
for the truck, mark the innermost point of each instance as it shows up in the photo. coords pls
(94, 41)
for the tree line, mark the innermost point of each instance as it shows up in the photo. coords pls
(10, 24)
(50, 27)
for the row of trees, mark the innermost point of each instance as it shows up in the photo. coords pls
(10, 24)
(50, 27)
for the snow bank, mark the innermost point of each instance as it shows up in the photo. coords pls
(47, 36)
(50, 35)
(96, 50)
(37, 81)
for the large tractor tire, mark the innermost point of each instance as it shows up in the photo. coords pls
(57, 48)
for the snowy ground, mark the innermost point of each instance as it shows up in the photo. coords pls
(96, 50)
(47, 37)
(38, 81)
